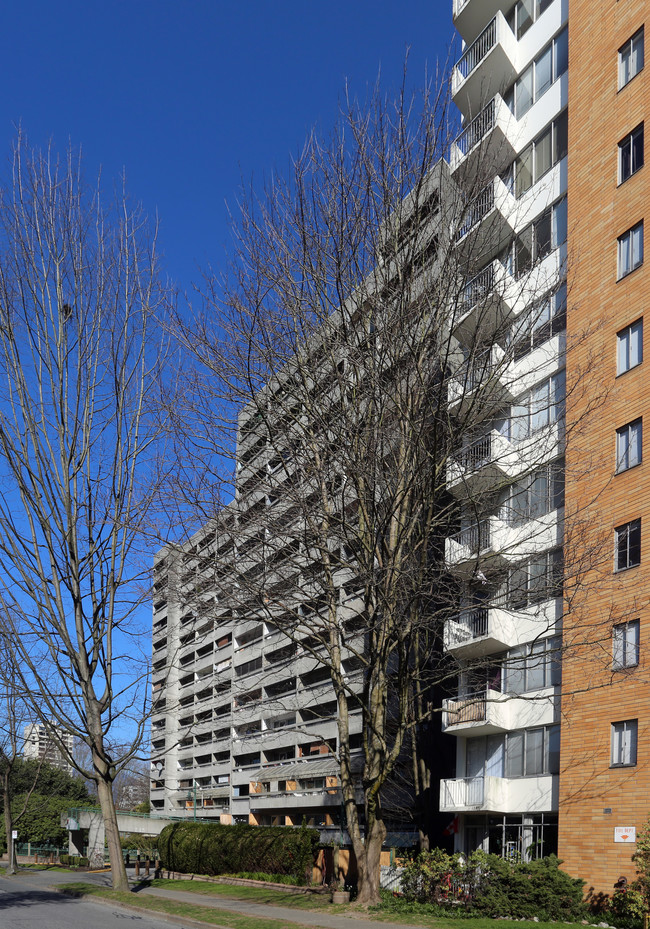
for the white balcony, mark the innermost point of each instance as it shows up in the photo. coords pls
(487, 300)
(491, 711)
(482, 380)
(485, 630)
(488, 223)
(486, 66)
(500, 794)
(484, 462)
(488, 143)
(491, 538)
(471, 16)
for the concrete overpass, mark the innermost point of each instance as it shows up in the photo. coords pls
(78, 821)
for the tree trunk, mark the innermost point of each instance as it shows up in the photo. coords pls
(118, 870)
(368, 864)
(9, 824)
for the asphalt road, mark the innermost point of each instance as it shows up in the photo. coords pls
(26, 903)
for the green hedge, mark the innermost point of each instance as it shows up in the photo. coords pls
(73, 861)
(211, 848)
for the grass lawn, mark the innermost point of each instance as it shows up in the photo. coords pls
(270, 896)
(153, 904)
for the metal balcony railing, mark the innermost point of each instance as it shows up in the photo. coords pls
(476, 537)
(474, 622)
(469, 709)
(478, 49)
(478, 287)
(477, 209)
(477, 129)
(477, 454)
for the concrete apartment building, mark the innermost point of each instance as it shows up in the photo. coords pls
(549, 714)
(38, 744)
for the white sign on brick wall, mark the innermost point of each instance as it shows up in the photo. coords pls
(625, 834)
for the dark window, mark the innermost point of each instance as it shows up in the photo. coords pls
(628, 545)
(630, 154)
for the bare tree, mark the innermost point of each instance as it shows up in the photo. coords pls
(80, 358)
(367, 338)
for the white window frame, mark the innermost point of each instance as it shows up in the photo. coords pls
(627, 144)
(630, 250)
(629, 347)
(629, 445)
(625, 645)
(624, 743)
(630, 53)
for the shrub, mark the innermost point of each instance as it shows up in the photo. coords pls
(211, 848)
(626, 908)
(73, 861)
(488, 885)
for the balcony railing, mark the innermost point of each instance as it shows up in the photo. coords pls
(477, 454)
(469, 709)
(462, 792)
(474, 623)
(477, 129)
(476, 211)
(478, 287)
(476, 538)
(478, 49)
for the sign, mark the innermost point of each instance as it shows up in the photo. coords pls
(14, 833)
(625, 834)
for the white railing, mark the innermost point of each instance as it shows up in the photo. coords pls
(478, 49)
(476, 211)
(477, 129)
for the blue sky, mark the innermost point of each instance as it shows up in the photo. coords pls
(190, 96)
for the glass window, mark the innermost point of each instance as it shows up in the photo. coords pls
(625, 645)
(561, 136)
(630, 154)
(543, 72)
(628, 545)
(524, 92)
(534, 752)
(624, 738)
(524, 171)
(630, 250)
(630, 58)
(629, 445)
(515, 754)
(629, 347)
(543, 153)
(561, 49)
(553, 750)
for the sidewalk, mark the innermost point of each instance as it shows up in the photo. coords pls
(261, 910)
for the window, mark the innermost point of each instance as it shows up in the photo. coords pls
(540, 324)
(542, 407)
(532, 752)
(524, 13)
(535, 495)
(625, 645)
(538, 157)
(535, 580)
(624, 742)
(630, 250)
(629, 445)
(630, 154)
(533, 666)
(526, 753)
(630, 58)
(629, 347)
(549, 65)
(547, 232)
(628, 545)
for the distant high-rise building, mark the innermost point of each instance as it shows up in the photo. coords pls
(40, 743)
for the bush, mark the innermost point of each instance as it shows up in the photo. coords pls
(73, 861)
(488, 885)
(211, 848)
(626, 908)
